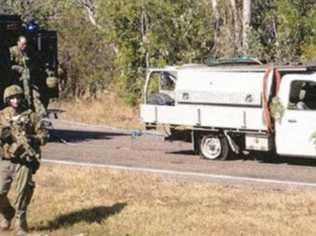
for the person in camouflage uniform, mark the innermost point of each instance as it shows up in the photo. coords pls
(16, 160)
(22, 66)
(20, 59)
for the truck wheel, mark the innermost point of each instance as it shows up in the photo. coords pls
(214, 147)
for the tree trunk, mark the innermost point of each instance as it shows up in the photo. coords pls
(91, 11)
(246, 25)
(237, 27)
(216, 13)
(216, 23)
(144, 31)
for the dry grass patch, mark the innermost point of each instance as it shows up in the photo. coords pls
(88, 201)
(108, 109)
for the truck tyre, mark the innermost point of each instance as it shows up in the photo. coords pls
(214, 147)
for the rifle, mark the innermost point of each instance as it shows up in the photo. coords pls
(18, 145)
(26, 78)
(21, 146)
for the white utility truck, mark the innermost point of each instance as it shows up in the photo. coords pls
(224, 110)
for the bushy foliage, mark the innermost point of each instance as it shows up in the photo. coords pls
(84, 54)
(154, 33)
(131, 35)
(283, 30)
(309, 44)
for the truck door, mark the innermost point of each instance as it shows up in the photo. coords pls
(295, 131)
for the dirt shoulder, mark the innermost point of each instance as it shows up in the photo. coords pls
(89, 201)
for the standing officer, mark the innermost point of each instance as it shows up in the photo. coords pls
(22, 134)
(22, 66)
(20, 60)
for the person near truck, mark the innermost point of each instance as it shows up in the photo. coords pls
(20, 60)
(22, 66)
(21, 135)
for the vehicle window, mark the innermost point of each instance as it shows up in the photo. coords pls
(302, 95)
(161, 89)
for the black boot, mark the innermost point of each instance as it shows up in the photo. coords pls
(6, 217)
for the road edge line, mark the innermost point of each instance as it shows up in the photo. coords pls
(182, 173)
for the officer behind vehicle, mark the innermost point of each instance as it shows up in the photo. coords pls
(22, 65)
(19, 58)
(16, 160)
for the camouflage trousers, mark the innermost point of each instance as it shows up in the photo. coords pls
(38, 105)
(33, 99)
(24, 187)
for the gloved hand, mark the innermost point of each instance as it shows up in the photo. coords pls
(17, 68)
(16, 150)
(11, 151)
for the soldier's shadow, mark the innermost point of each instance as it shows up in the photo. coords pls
(90, 215)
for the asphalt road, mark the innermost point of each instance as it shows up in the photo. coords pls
(100, 145)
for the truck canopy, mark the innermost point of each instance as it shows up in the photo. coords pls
(221, 88)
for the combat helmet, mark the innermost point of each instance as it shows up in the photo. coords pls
(12, 90)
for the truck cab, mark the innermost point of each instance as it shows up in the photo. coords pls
(295, 131)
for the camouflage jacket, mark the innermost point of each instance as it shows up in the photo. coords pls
(31, 130)
(18, 57)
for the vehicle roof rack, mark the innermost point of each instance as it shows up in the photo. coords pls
(243, 60)
(259, 68)
(251, 64)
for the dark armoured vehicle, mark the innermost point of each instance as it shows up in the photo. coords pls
(42, 46)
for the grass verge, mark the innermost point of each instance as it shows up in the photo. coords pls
(107, 109)
(88, 201)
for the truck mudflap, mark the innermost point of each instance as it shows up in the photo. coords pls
(234, 147)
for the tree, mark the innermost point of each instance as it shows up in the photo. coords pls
(154, 33)
(90, 8)
(237, 26)
(216, 21)
(246, 18)
(5, 7)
